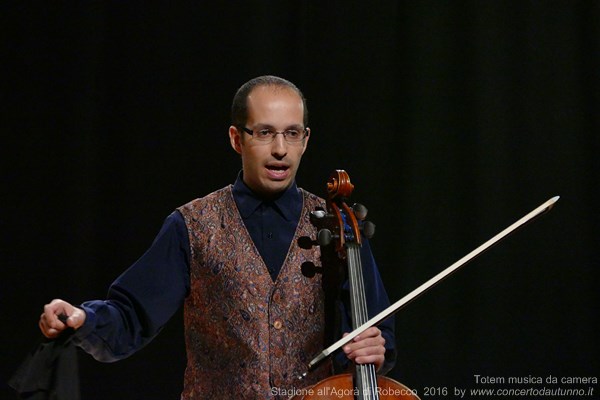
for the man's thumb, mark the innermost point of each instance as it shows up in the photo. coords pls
(76, 319)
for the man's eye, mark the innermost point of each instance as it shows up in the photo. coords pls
(292, 133)
(265, 133)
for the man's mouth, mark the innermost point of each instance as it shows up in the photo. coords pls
(277, 171)
(277, 167)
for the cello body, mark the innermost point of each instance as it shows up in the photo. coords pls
(342, 387)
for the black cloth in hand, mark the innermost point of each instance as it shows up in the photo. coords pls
(49, 372)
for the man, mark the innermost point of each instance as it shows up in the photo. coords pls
(253, 317)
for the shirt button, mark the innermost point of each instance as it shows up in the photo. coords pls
(277, 324)
(270, 235)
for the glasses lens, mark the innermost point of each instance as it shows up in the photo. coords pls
(264, 135)
(293, 135)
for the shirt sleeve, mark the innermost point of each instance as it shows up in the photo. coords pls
(377, 301)
(142, 299)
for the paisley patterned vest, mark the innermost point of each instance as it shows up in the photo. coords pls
(248, 337)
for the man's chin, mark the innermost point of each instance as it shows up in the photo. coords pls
(275, 187)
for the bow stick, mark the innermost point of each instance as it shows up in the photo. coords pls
(547, 206)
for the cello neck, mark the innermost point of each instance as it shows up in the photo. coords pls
(365, 374)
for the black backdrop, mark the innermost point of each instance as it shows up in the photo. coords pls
(453, 119)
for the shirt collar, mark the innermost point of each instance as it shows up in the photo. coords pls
(288, 204)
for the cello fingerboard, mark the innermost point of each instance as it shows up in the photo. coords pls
(365, 376)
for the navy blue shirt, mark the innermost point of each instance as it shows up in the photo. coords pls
(141, 301)
(271, 223)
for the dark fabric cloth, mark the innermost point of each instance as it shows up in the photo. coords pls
(49, 372)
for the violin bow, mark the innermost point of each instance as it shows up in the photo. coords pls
(547, 206)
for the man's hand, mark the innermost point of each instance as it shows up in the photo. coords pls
(367, 348)
(50, 320)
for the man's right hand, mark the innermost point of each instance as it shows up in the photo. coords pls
(50, 324)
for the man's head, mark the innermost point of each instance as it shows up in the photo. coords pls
(269, 131)
(239, 108)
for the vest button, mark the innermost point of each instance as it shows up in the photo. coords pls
(277, 324)
(277, 296)
(251, 286)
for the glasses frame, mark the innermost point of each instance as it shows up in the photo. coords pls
(305, 133)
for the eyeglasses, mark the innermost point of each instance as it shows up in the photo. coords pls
(268, 135)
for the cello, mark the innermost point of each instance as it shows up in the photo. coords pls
(341, 227)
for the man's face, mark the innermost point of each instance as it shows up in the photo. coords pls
(270, 168)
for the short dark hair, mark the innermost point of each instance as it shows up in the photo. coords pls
(239, 107)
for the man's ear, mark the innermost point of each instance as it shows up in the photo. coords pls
(306, 139)
(235, 139)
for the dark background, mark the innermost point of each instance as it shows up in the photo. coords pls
(453, 120)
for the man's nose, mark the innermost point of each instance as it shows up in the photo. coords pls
(279, 146)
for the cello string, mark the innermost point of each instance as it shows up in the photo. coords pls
(366, 372)
(356, 311)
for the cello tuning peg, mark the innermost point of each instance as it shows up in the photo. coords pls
(324, 237)
(317, 215)
(305, 242)
(368, 229)
(360, 211)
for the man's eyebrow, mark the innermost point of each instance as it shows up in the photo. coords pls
(264, 126)
(271, 127)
